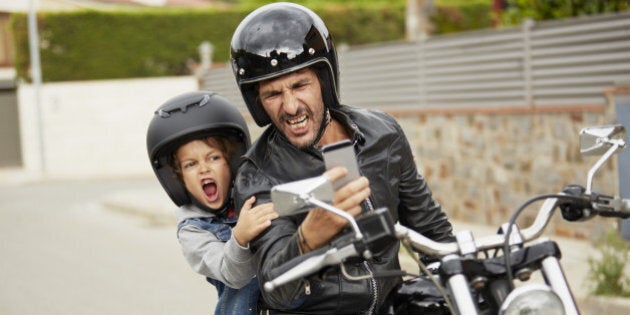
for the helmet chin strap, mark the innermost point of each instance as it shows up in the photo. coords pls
(322, 127)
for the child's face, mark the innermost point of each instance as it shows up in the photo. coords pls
(205, 171)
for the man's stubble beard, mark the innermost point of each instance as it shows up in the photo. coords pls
(316, 121)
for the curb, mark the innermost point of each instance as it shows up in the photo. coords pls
(148, 204)
(604, 305)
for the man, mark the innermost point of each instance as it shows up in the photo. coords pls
(285, 65)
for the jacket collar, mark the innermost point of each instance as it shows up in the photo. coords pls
(342, 114)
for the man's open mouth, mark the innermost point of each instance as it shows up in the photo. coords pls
(298, 122)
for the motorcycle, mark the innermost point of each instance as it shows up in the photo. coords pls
(473, 275)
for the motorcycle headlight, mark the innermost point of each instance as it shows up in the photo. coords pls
(532, 299)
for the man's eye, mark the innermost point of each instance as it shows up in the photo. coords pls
(270, 96)
(188, 165)
(301, 85)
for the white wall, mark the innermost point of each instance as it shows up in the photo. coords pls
(92, 128)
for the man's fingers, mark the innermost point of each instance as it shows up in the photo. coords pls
(356, 185)
(352, 188)
(353, 199)
(335, 173)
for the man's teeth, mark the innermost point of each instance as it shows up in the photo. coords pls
(298, 122)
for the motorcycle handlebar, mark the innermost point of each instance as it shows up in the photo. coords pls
(616, 207)
(428, 246)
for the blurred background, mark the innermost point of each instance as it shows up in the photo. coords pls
(490, 93)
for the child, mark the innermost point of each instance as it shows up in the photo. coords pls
(194, 142)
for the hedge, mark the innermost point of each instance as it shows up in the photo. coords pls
(90, 45)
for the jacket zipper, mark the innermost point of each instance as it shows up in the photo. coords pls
(307, 287)
(372, 308)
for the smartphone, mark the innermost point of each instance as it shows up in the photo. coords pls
(341, 154)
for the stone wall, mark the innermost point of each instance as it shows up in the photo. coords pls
(482, 165)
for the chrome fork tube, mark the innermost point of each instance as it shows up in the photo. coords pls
(461, 296)
(554, 275)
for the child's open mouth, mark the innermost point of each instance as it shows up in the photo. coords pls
(210, 189)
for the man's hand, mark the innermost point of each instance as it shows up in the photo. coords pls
(321, 226)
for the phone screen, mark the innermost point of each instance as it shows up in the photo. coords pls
(341, 154)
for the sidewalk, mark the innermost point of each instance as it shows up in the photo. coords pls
(154, 205)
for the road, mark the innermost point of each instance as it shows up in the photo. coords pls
(63, 252)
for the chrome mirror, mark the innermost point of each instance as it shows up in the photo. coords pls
(300, 196)
(291, 198)
(597, 140)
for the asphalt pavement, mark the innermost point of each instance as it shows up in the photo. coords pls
(108, 246)
(63, 251)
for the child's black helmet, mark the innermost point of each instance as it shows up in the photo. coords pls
(186, 117)
(277, 39)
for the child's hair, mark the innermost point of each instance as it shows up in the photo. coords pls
(225, 145)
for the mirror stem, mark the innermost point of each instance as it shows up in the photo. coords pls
(600, 162)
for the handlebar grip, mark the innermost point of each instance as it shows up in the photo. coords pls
(302, 269)
(624, 208)
(313, 264)
(607, 206)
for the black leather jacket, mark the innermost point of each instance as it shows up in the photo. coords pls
(385, 158)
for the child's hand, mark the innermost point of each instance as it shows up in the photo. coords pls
(252, 221)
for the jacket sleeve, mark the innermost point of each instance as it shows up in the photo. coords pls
(275, 249)
(227, 262)
(417, 208)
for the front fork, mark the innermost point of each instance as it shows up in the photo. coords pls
(554, 276)
(458, 285)
(464, 302)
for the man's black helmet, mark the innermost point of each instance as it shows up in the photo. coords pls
(187, 117)
(277, 39)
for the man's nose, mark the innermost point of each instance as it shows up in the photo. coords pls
(290, 102)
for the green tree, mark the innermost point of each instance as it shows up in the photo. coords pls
(518, 10)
